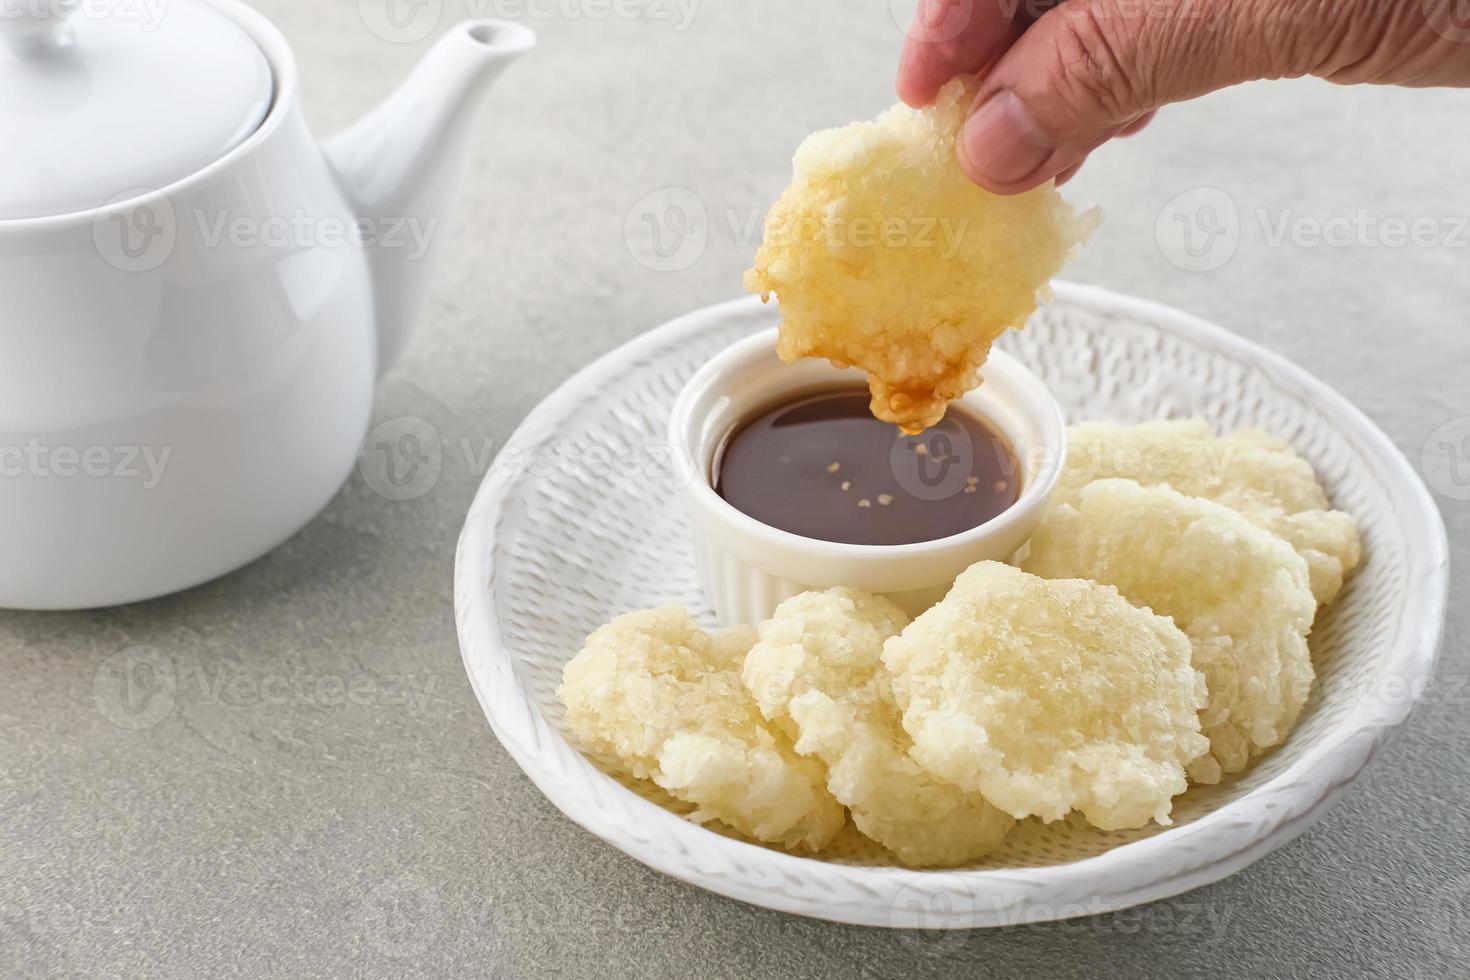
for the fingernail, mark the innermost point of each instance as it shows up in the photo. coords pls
(1002, 142)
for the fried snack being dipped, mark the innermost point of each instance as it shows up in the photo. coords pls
(1238, 591)
(885, 256)
(817, 673)
(656, 697)
(1249, 471)
(1050, 696)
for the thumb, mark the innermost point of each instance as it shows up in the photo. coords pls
(1087, 69)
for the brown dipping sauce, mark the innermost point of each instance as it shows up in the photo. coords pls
(822, 467)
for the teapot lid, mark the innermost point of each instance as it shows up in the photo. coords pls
(102, 101)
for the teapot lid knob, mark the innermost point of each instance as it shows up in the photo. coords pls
(100, 99)
(36, 27)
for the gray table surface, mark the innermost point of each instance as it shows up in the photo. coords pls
(271, 825)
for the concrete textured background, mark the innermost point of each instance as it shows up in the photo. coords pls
(322, 797)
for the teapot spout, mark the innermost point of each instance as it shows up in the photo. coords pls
(401, 166)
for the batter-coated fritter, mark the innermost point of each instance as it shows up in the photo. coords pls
(885, 256)
(1050, 696)
(817, 672)
(658, 698)
(1238, 591)
(1250, 471)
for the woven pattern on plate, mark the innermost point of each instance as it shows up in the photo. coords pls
(580, 521)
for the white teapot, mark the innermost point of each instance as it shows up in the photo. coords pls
(196, 298)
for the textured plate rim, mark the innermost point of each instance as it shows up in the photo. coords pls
(1166, 864)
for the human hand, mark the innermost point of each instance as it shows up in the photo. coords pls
(1061, 77)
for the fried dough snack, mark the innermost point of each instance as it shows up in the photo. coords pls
(817, 673)
(885, 256)
(1237, 590)
(1252, 472)
(658, 698)
(1049, 696)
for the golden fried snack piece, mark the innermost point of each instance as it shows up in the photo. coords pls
(817, 673)
(885, 256)
(1050, 696)
(1250, 471)
(1237, 590)
(656, 697)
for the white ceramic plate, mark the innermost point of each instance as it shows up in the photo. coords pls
(579, 521)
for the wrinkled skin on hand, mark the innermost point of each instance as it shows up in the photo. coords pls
(1085, 71)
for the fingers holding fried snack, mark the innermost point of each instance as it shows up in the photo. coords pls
(886, 257)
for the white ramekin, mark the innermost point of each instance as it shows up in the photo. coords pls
(747, 568)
